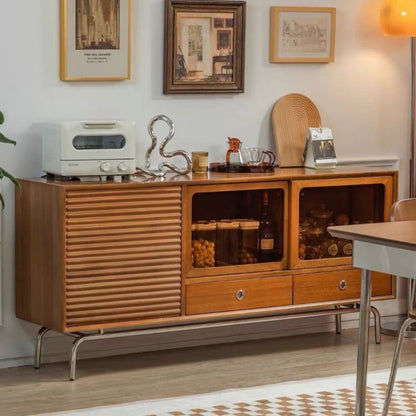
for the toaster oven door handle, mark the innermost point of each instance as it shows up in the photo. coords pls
(99, 125)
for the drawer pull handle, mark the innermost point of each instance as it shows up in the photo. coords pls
(239, 295)
(342, 285)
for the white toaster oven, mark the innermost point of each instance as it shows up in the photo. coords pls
(89, 148)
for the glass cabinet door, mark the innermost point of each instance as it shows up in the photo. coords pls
(234, 228)
(316, 205)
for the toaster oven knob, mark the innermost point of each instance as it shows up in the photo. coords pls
(122, 166)
(105, 167)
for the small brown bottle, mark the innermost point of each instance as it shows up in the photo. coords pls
(267, 231)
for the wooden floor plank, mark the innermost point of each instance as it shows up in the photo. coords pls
(169, 373)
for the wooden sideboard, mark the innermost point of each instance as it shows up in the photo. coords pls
(97, 256)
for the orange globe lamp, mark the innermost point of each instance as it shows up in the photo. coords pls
(398, 17)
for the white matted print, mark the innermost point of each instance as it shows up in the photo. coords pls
(302, 34)
(95, 40)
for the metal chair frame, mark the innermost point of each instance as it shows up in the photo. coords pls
(400, 214)
(409, 321)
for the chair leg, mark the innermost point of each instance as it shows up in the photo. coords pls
(395, 363)
(411, 294)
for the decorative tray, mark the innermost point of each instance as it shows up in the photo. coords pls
(238, 168)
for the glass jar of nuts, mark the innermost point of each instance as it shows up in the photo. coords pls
(203, 244)
(249, 242)
(227, 243)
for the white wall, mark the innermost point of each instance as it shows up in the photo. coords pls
(363, 96)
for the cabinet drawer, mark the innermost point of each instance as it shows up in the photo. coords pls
(238, 294)
(336, 285)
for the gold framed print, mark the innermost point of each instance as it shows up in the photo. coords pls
(302, 34)
(95, 37)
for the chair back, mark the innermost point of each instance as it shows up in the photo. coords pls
(404, 210)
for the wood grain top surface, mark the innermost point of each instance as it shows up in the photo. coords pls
(299, 173)
(400, 234)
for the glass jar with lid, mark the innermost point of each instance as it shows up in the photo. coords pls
(330, 247)
(249, 241)
(314, 236)
(322, 217)
(203, 244)
(312, 249)
(227, 243)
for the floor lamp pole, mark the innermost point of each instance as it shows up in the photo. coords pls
(412, 121)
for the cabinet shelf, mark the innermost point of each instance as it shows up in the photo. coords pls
(315, 205)
(239, 204)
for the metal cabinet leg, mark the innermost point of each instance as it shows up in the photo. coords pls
(377, 324)
(38, 349)
(80, 337)
(338, 321)
(73, 357)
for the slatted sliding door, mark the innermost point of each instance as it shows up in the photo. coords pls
(123, 255)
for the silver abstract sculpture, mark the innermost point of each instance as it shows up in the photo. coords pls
(164, 166)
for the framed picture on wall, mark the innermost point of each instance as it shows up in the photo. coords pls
(95, 40)
(302, 34)
(204, 46)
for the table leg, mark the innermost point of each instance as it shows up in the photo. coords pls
(363, 337)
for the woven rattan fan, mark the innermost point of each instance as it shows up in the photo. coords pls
(292, 115)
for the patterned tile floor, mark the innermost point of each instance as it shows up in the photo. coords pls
(333, 396)
(329, 403)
